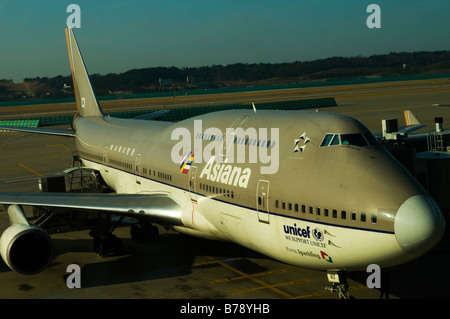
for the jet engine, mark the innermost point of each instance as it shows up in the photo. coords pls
(25, 248)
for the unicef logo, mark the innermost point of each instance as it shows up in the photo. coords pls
(318, 234)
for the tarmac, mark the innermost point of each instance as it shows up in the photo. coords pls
(179, 267)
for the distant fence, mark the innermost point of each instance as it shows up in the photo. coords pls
(20, 123)
(181, 113)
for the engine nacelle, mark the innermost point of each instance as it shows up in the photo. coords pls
(25, 248)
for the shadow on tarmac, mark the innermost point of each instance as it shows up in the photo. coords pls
(174, 255)
(424, 278)
(171, 255)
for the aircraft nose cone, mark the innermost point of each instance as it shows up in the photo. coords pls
(419, 224)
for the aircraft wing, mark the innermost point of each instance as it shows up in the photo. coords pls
(159, 207)
(40, 130)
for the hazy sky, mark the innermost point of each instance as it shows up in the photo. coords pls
(116, 36)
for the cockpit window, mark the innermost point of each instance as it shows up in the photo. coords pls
(335, 140)
(357, 139)
(353, 139)
(330, 139)
(326, 140)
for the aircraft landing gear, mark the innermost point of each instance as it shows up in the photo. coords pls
(104, 241)
(339, 284)
(144, 232)
(107, 245)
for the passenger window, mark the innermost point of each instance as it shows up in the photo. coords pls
(353, 216)
(277, 203)
(334, 213)
(374, 219)
(325, 212)
(363, 217)
(343, 214)
(296, 208)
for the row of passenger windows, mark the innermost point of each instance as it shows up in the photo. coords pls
(215, 190)
(317, 211)
(153, 173)
(125, 165)
(246, 140)
(129, 167)
(145, 171)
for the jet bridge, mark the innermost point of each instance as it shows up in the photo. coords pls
(425, 155)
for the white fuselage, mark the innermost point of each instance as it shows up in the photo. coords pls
(319, 243)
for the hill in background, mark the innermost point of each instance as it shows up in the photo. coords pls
(159, 79)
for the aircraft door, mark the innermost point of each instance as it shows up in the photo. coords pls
(192, 183)
(262, 201)
(138, 169)
(105, 158)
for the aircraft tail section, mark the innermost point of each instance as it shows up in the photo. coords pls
(87, 103)
(411, 121)
(410, 118)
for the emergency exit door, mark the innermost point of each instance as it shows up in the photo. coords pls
(262, 201)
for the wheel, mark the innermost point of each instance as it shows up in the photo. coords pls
(109, 244)
(138, 234)
(144, 233)
(154, 233)
(100, 246)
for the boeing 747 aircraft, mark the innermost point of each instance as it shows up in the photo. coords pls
(311, 189)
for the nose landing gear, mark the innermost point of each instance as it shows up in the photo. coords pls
(338, 283)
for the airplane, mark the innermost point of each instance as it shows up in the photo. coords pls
(328, 197)
(391, 131)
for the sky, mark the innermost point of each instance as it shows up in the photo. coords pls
(116, 36)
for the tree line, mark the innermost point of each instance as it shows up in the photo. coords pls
(146, 80)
